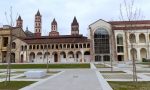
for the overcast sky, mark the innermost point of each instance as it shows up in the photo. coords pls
(86, 11)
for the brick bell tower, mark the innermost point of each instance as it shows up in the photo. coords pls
(19, 22)
(54, 31)
(74, 27)
(37, 24)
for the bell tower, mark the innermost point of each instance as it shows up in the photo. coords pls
(74, 27)
(54, 31)
(37, 24)
(19, 22)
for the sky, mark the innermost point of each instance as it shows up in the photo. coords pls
(86, 12)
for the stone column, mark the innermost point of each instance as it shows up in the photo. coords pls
(82, 52)
(137, 37)
(138, 54)
(58, 56)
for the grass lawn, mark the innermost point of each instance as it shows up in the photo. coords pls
(4, 76)
(112, 72)
(144, 63)
(14, 85)
(43, 66)
(101, 66)
(118, 85)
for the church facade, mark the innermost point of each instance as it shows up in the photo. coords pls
(112, 40)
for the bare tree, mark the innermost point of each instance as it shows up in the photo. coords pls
(9, 46)
(128, 12)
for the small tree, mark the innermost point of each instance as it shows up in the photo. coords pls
(9, 46)
(129, 13)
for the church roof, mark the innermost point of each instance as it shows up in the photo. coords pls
(75, 22)
(29, 33)
(54, 22)
(38, 13)
(19, 18)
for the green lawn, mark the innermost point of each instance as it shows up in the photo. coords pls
(118, 85)
(43, 66)
(101, 66)
(14, 85)
(144, 63)
(4, 76)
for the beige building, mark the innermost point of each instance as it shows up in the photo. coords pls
(31, 47)
(112, 40)
(120, 40)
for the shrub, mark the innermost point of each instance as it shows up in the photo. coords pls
(145, 60)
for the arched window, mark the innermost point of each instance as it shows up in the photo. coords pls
(13, 45)
(33, 46)
(41, 46)
(142, 38)
(132, 38)
(25, 47)
(119, 39)
(22, 48)
(68, 45)
(60, 46)
(30, 47)
(80, 45)
(72, 46)
(84, 45)
(88, 45)
(76, 45)
(45, 46)
(101, 41)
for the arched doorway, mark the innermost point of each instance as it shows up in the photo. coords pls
(21, 59)
(12, 58)
(71, 56)
(55, 57)
(133, 54)
(46, 57)
(32, 57)
(101, 43)
(62, 56)
(87, 56)
(143, 53)
(39, 57)
(78, 56)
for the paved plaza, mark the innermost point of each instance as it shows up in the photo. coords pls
(94, 78)
(70, 80)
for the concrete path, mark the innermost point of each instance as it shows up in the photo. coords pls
(83, 79)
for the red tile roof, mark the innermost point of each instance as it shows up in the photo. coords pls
(129, 22)
(57, 39)
(145, 24)
(131, 28)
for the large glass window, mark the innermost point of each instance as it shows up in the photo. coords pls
(101, 41)
(120, 49)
